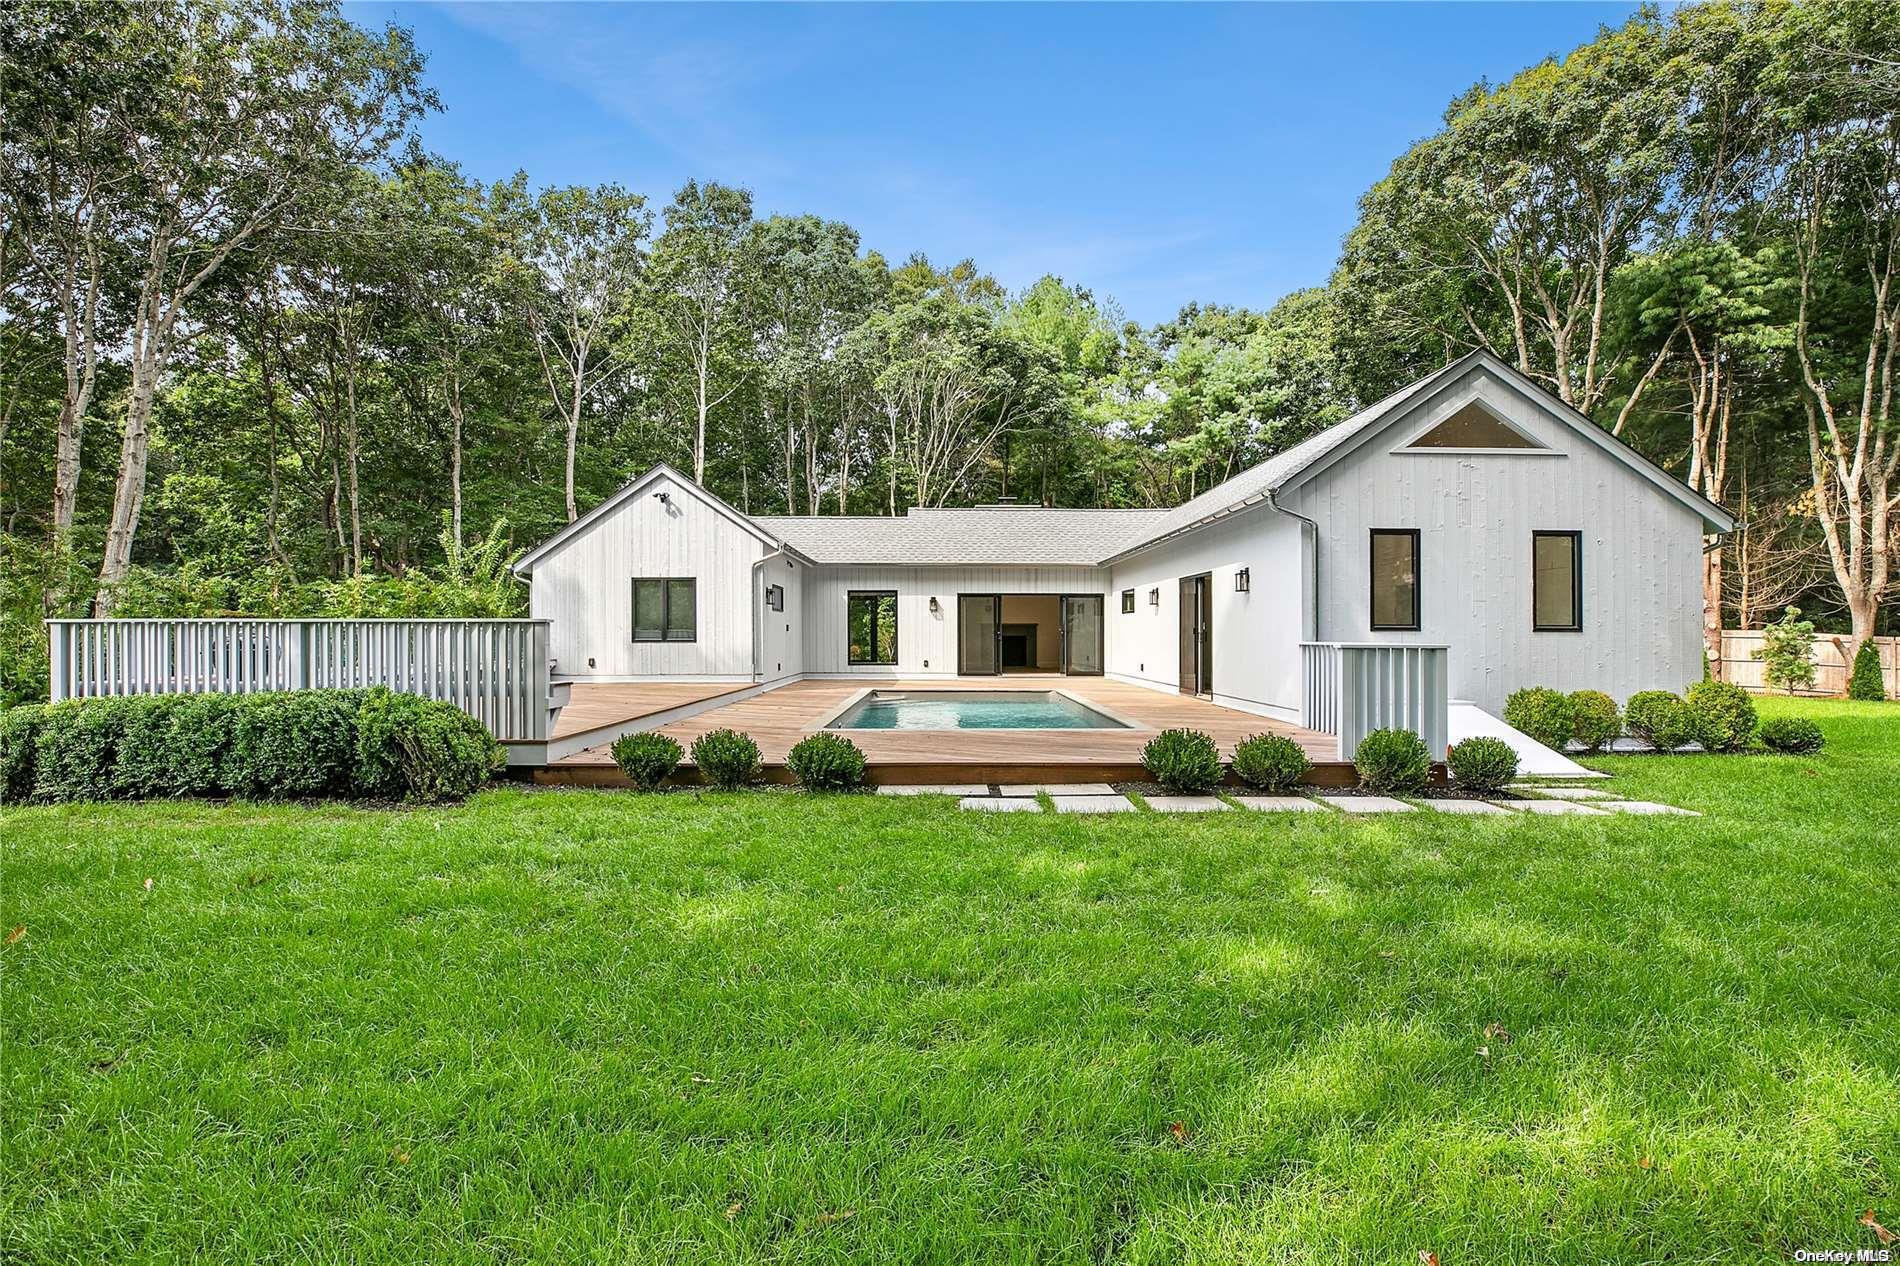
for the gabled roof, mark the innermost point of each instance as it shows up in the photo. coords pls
(633, 488)
(977, 536)
(1036, 536)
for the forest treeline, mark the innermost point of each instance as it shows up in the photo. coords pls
(262, 353)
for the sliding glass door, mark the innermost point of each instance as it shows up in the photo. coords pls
(1082, 634)
(977, 617)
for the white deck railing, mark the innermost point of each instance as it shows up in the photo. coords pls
(494, 670)
(1353, 688)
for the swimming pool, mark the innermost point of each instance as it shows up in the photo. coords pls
(971, 710)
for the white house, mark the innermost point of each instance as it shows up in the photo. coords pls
(1472, 511)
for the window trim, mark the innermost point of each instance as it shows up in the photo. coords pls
(853, 662)
(1128, 602)
(1576, 580)
(1372, 582)
(666, 609)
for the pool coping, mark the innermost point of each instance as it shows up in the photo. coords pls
(856, 697)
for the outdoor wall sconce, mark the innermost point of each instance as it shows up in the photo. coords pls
(934, 607)
(1242, 581)
(1154, 596)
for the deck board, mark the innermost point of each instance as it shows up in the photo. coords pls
(596, 704)
(781, 717)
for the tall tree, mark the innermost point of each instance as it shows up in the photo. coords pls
(698, 291)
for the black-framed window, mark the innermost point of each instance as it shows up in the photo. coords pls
(1395, 579)
(1128, 602)
(665, 609)
(1557, 582)
(871, 627)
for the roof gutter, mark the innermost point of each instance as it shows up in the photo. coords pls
(1248, 503)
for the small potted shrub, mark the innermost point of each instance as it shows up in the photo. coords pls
(1725, 715)
(1482, 765)
(1796, 736)
(647, 759)
(826, 762)
(1542, 713)
(1271, 762)
(726, 758)
(1186, 762)
(1392, 760)
(1593, 719)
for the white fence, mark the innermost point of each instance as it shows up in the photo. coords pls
(1354, 688)
(1830, 662)
(494, 670)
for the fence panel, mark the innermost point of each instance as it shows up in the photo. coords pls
(1354, 688)
(1831, 666)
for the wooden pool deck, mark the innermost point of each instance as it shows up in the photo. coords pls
(780, 717)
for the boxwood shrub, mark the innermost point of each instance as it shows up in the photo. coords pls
(1186, 762)
(647, 759)
(1796, 736)
(1393, 760)
(1645, 710)
(1593, 719)
(1542, 713)
(276, 744)
(826, 762)
(1482, 764)
(726, 758)
(1724, 715)
(1271, 762)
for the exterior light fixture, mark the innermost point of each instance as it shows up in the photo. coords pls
(1242, 581)
(1154, 596)
(934, 607)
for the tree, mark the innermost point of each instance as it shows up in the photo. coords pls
(248, 109)
(698, 290)
(575, 272)
(1787, 651)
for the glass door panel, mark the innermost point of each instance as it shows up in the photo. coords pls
(1082, 633)
(976, 633)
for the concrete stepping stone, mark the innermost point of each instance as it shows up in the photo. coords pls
(1464, 806)
(1643, 806)
(1056, 788)
(1552, 806)
(1090, 804)
(1569, 793)
(1368, 804)
(1278, 804)
(929, 789)
(1185, 804)
(999, 804)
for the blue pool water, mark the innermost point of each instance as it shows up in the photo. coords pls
(971, 710)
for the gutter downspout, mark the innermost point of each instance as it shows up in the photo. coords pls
(1309, 530)
(758, 612)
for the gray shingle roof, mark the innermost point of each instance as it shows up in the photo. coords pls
(978, 536)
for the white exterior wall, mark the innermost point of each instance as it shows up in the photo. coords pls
(1257, 634)
(926, 640)
(585, 589)
(1642, 591)
(782, 633)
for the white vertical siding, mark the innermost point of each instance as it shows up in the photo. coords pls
(1642, 596)
(585, 589)
(1257, 634)
(926, 640)
(782, 633)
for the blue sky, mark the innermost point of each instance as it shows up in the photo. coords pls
(1155, 154)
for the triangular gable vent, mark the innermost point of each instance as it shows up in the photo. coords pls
(1474, 427)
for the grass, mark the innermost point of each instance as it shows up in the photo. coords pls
(590, 1026)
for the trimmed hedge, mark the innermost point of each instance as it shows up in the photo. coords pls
(1482, 764)
(1593, 719)
(1646, 710)
(726, 758)
(1271, 762)
(646, 758)
(826, 762)
(1724, 715)
(1393, 760)
(1796, 736)
(1542, 713)
(1186, 762)
(345, 743)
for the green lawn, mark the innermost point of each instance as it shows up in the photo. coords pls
(595, 1026)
